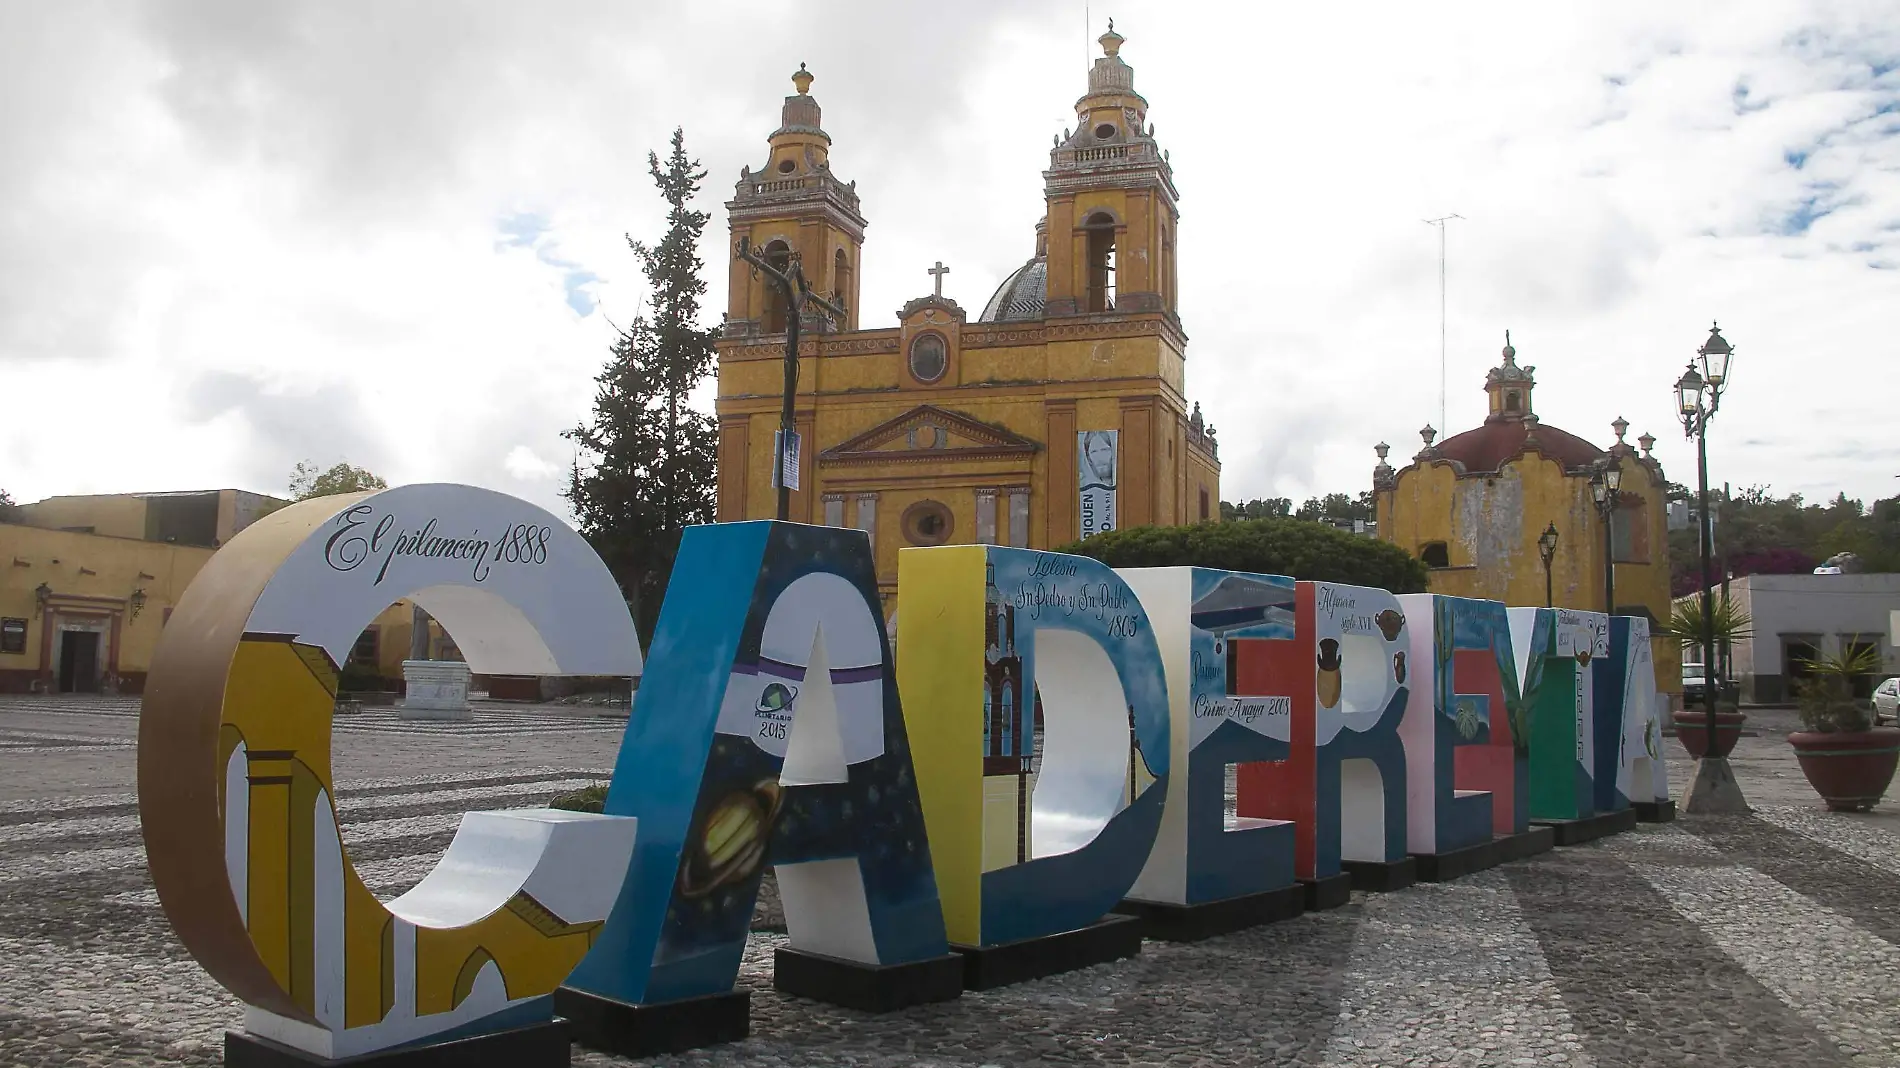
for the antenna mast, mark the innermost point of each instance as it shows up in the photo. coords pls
(1440, 223)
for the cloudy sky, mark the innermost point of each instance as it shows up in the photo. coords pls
(235, 235)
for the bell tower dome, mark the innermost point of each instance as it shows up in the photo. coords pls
(1510, 388)
(795, 206)
(1111, 201)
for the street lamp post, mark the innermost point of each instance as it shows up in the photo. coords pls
(1603, 486)
(790, 280)
(1698, 397)
(1547, 548)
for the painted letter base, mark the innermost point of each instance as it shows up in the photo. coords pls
(1524, 844)
(1167, 922)
(1328, 893)
(1458, 863)
(1654, 811)
(637, 1031)
(543, 1045)
(867, 987)
(1381, 876)
(1110, 938)
(1590, 828)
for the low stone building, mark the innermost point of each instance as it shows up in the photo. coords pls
(1798, 617)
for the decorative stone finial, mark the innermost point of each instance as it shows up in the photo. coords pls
(1111, 41)
(1510, 354)
(802, 80)
(1382, 448)
(1621, 426)
(1428, 434)
(1648, 442)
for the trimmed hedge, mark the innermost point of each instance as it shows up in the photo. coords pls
(1296, 548)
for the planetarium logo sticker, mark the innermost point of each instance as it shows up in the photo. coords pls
(775, 709)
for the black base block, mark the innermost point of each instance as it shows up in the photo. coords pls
(1457, 863)
(867, 987)
(1167, 922)
(1654, 811)
(1381, 876)
(1110, 938)
(1590, 828)
(636, 1031)
(1328, 893)
(1524, 844)
(542, 1045)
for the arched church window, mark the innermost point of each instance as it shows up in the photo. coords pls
(928, 357)
(841, 280)
(1101, 261)
(1434, 554)
(779, 255)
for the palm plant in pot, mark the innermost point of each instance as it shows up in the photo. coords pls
(1732, 624)
(1848, 760)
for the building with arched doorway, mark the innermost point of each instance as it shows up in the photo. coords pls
(1473, 506)
(1059, 410)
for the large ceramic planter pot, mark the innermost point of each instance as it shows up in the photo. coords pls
(1693, 730)
(1849, 769)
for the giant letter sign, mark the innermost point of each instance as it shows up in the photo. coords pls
(1209, 625)
(236, 790)
(1629, 725)
(1554, 648)
(768, 731)
(1343, 784)
(1467, 760)
(988, 635)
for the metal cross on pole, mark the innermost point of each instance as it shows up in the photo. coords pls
(791, 282)
(937, 274)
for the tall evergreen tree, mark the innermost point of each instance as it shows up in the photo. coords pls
(651, 455)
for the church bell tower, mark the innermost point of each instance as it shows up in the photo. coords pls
(795, 205)
(1111, 202)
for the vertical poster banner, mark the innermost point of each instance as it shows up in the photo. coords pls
(1097, 458)
(785, 445)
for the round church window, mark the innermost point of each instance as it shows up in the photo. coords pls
(928, 357)
(927, 523)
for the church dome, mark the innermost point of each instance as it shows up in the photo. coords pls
(1021, 296)
(1489, 446)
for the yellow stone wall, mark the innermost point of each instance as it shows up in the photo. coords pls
(91, 578)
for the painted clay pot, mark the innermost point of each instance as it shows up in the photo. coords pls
(1849, 769)
(1693, 730)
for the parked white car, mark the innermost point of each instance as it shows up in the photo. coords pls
(1887, 701)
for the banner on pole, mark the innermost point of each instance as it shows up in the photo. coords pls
(785, 460)
(1096, 455)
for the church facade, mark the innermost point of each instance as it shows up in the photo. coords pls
(1059, 411)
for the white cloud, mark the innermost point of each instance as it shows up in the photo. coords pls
(237, 235)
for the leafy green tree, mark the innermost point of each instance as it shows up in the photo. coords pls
(1758, 533)
(1256, 509)
(1274, 546)
(650, 455)
(307, 481)
(9, 511)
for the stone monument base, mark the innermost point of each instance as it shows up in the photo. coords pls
(1457, 863)
(1167, 922)
(1110, 938)
(1590, 828)
(867, 987)
(1663, 811)
(1328, 893)
(435, 689)
(543, 1045)
(1524, 844)
(1380, 876)
(637, 1032)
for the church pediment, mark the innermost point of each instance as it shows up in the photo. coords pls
(927, 433)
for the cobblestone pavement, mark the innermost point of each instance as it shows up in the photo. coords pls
(1772, 939)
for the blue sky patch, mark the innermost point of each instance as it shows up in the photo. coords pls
(526, 229)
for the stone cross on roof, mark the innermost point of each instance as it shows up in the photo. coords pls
(937, 274)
